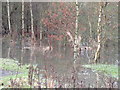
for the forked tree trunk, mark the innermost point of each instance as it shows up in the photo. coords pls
(8, 12)
(99, 31)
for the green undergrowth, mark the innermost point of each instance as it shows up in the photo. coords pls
(6, 79)
(111, 70)
(12, 65)
(21, 79)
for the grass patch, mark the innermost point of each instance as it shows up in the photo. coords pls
(6, 79)
(22, 78)
(111, 70)
(12, 65)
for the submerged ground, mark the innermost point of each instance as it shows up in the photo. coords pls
(99, 75)
(55, 69)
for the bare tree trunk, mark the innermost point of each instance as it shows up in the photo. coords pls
(9, 49)
(9, 24)
(76, 36)
(33, 35)
(23, 18)
(41, 27)
(99, 31)
(90, 26)
(22, 51)
(32, 30)
(59, 48)
(41, 34)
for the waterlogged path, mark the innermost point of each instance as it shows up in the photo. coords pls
(4, 73)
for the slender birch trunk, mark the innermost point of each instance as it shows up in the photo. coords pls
(23, 18)
(90, 26)
(41, 27)
(76, 35)
(9, 25)
(31, 12)
(9, 49)
(41, 34)
(22, 51)
(33, 35)
(8, 12)
(99, 31)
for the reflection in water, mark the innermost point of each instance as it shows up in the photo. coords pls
(61, 58)
(58, 61)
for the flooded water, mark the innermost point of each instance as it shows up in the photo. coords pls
(4, 73)
(61, 58)
(109, 54)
